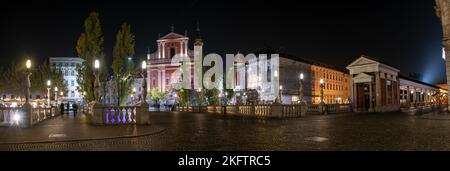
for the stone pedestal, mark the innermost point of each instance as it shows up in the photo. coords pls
(143, 114)
(323, 108)
(97, 116)
(303, 109)
(25, 116)
(276, 110)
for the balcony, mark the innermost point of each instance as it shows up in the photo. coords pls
(159, 61)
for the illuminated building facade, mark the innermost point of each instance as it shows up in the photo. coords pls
(67, 67)
(378, 87)
(337, 84)
(161, 74)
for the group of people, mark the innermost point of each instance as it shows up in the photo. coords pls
(67, 108)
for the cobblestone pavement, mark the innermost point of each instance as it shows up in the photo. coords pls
(388, 131)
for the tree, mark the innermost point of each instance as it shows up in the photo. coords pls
(124, 70)
(90, 47)
(183, 96)
(42, 75)
(15, 77)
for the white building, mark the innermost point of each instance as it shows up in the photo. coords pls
(67, 67)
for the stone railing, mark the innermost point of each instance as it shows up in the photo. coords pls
(42, 114)
(20, 117)
(279, 111)
(274, 110)
(7, 116)
(118, 115)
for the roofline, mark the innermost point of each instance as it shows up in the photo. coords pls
(304, 60)
(417, 81)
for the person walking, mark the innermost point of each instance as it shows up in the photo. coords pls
(61, 108)
(75, 109)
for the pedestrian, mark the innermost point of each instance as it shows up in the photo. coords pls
(75, 109)
(61, 109)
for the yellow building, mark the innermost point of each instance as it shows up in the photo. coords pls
(336, 84)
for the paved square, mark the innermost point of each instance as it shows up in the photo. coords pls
(183, 131)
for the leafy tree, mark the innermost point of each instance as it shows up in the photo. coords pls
(213, 96)
(15, 77)
(124, 70)
(90, 47)
(183, 96)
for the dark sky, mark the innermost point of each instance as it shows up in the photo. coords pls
(403, 33)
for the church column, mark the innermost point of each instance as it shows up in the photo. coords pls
(159, 50)
(149, 78)
(163, 50)
(182, 48)
(163, 80)
(186, 48)
(159, 79)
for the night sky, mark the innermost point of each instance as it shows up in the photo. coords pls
(403, 33)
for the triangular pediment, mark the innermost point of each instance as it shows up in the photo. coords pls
(172, 36)
(362, 77)
(363, 60)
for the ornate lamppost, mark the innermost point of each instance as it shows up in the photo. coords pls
(56, 95)
(322, 103)
(25, 120)
(49, 83)
(144, 82)
(97, 81)
(28, 82)
(300, 91)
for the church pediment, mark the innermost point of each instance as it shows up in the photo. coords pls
(172, 36)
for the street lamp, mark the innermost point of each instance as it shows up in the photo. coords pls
(28, 82)
(144, 82)
(97, 80)
(49, 83)
(321, 91)
(300, 91)
(56, 94)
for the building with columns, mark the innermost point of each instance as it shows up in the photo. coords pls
(443, 12)
(161, 74)
(378, 87)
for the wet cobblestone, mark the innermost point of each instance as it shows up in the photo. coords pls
(210, 132)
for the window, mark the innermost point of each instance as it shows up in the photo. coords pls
(72, 83)
(167, 81)
(72, 93)
(172, 52)
(389, 91)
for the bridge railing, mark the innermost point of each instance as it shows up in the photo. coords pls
(19, 116)
(269, 110)
(99, 114)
